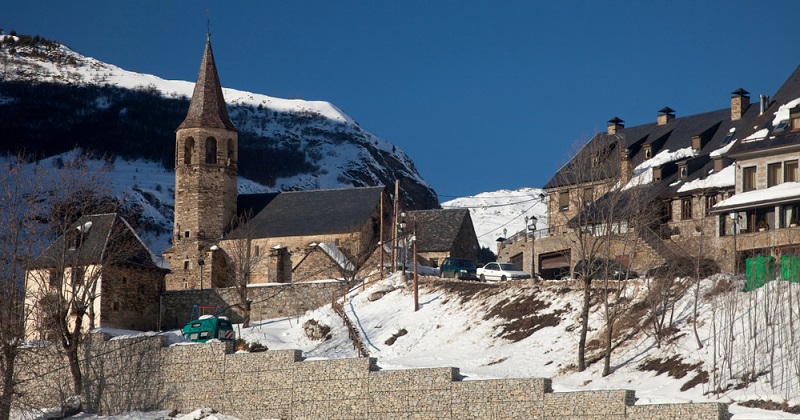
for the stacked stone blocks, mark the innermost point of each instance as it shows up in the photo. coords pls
(140, 374)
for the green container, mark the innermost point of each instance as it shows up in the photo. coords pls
(790, 268)
(760, 270)
(208, 327)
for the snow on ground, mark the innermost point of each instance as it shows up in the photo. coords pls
(454, 328)
(494, 212)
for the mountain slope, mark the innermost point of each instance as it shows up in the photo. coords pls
(53, 99)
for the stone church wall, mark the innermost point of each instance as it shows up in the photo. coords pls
(140, 374)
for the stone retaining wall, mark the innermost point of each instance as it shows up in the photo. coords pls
(271, 300)
(140, 374)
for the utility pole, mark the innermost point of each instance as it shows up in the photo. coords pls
(380, 240)
(416, 283)
(394, 225)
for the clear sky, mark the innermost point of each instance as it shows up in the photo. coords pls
(482, 95)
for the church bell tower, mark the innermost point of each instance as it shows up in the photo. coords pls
(206, 159)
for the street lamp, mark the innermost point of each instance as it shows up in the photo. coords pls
(735, 228)
(531, 225)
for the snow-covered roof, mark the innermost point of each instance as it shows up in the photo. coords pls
(724, 178)
(336, 255)
(778, 193)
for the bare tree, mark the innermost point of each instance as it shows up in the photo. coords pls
(20, 189)
(602, 214)
(62, 283)
(243, 257)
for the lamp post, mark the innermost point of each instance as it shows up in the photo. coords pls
(735, 228)
(531, 226)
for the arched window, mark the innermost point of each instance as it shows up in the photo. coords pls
(230, 152)
(188, 150)
(211, 150)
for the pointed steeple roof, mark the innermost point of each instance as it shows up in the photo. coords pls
(207, 109)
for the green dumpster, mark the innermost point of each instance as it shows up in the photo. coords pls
(760, 270)
(790, 268)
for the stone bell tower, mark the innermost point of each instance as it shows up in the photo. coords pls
(206, 159)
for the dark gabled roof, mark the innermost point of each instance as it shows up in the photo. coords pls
(675, 134)
(101, 238)
(316, 212)
(436, 230)
(207, 109)
(789, 91)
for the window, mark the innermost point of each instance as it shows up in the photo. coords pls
(648, 151)
(686, 208)
(211, 150)
(257, 251)
(230, 152)
(186, 265)
(727, 139)
(595, 160)
(749, 179)
(794, 119)
(186, 234)
(188, 150)
(773, 174)
(668, 210)
(790, 171)
(434, 262)
(77, 275)
(55, 278)
(684, 171)
(563, 201)
(115, 306)
(588, 195)
(711, 201)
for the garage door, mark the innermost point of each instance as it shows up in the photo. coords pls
(555, 261)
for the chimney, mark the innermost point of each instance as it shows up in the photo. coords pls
(615, 124)
(763, 102)
(740, 100)
(665, 114)
(625, 167)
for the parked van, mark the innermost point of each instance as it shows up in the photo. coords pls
(208, 327)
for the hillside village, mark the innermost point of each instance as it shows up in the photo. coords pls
(673, 202)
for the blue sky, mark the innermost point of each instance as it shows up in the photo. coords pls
(482, 95)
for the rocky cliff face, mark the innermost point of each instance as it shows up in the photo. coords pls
(53, 99)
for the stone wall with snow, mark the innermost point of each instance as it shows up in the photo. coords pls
(139, 374)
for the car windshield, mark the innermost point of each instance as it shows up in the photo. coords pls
(464, 263)
(509, 267)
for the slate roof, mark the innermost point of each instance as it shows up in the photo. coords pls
(207, 109)
(109, 238)
(315, 212)
(436, 230)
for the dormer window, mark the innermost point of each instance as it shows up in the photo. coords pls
(595, 160)
(648, 151)
(684, 172)
(794, 118)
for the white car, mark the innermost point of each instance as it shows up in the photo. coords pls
(495, 271)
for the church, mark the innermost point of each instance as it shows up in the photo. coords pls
(220, 236)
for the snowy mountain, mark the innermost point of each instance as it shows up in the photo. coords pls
(52, 99)
(502, 213)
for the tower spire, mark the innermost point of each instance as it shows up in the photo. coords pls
(207, 109)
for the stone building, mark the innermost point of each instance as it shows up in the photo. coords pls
(683, 172)
(220, 236)
(102, 266)
(443, 233)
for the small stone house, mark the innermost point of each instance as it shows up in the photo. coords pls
(100, 264)
(441, 234)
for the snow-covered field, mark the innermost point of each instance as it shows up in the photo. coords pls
(462, 326)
